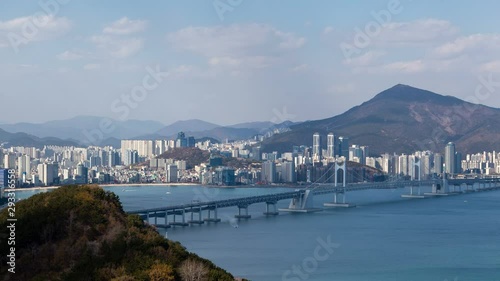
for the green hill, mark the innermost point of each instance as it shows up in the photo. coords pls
(82, 233)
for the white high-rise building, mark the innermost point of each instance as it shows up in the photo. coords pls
(145, 148)
(449, 158)
(330, 145)
(9, 161)
(402, 167)
(268, 173)
(24, 168)
(48, 173)
(288, 173)
(438, 163)
(316, 148)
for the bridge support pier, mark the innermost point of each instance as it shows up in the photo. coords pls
(165, 222)
(271, 211)
(166, 225)
(182, 214)
(412, 195)
(200, 216)
(336, 204)
(209, 218)
(243, 216)
(304, 203)
(439, 189)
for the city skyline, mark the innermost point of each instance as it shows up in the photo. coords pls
(279, 62)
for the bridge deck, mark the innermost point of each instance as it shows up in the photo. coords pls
(319, 190)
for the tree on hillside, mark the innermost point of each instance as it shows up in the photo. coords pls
(192, 270)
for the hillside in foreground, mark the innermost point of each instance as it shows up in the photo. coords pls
(82, 233)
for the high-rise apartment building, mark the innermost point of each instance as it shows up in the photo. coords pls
(343, 149)
(449, 158)
(316, 148)
(330, 145)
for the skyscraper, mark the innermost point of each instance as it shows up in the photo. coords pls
(317, 145)
(458, 162)
(24, 167)
(82, 174)
(9, 161)
(449, 158)
(4, 178)
(288, 172)
(366, 153)
(344, 147)
(49, 173)
(181, 141)
(268, 173)
(330, 145)
(402, 168)
(131, 157)
(438, 163)
(171, 173)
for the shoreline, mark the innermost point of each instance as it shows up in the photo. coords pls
(149, 184)
(101, 185)
(155, 184)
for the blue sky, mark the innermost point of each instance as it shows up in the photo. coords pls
(247, 61)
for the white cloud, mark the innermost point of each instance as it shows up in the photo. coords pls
(69, 55)
(118, 47)
(416, 32)
(300, 68)
(237, 46)
(405, 66)
(92, 66)
(234, 40)
(115, 39)
(365, 59)
(480, 44)
(492, 66)
(33, 28)
(328, 30)
(125, 26)
(224, 61)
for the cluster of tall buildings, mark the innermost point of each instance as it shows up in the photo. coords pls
(54, 165)
(335, 147)
(133, 151)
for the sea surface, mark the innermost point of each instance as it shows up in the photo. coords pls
(385, 237)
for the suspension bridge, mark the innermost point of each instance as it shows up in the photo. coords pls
(302, 200)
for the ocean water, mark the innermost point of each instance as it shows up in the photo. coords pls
(384, 238)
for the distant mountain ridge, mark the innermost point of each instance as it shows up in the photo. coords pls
(74, 128)
(192, 125)
(27, 140)
(404, 119)
(76, 131)
(201, 129)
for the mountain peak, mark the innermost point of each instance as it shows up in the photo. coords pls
(406, 93)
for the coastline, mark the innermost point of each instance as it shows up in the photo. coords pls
(102, 185)
(149, 184)
(157, 184)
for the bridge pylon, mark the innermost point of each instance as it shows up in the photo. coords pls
(181, 213)
(340, 165)
(209, 218)
(271, 209)
(303, 203)
(199, 220)
(245, 215)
